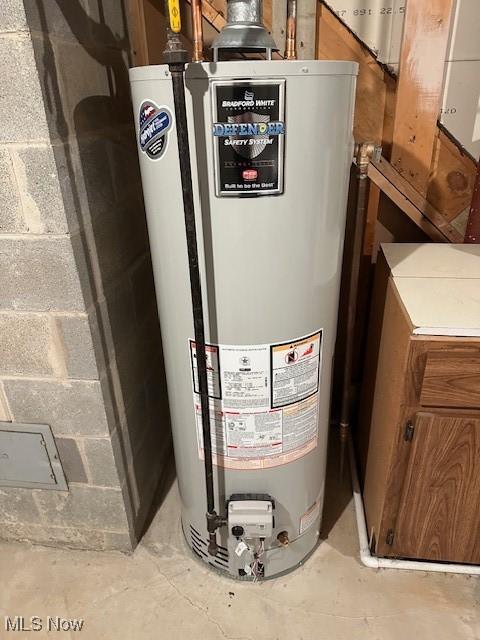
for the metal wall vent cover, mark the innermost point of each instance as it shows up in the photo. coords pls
(29, 458)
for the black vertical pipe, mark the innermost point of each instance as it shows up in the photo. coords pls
(176, 57)
(177, 71)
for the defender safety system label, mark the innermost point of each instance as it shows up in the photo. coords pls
(264, 401)
(248, 132)
(154, 124)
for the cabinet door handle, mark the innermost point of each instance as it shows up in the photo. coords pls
(409, 431)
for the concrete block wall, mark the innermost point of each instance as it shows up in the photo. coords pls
(80, 345)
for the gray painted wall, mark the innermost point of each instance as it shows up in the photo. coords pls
(80, 345)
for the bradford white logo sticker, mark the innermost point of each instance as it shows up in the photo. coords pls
(155, 123)
(248, 129)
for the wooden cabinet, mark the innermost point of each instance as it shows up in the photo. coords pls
(419, 430)
(438, 515)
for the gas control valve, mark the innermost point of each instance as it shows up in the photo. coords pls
(250, 519)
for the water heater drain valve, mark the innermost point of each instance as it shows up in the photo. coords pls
(250, 519)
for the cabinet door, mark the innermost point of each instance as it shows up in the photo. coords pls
(439, 515)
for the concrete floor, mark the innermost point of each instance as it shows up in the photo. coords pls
(162, 592)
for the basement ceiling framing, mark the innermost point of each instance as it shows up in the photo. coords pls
(423, 170)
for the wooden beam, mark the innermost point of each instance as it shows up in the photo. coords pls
(306, 28)
(452, 179)
(405, 205)
(336, 42)
(419, 88)
(215, 12)
(417, 200)
(137, 30)
(268, 14)
(278, 23)
(372, 217)
(397, 197)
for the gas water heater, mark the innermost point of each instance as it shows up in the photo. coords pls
(270, 145)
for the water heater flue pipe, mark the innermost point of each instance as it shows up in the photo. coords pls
(245, 11)
(244, 30)
(176, 57)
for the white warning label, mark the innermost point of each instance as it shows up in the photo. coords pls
(300, 423)
(295, 370)
(213, 369)
(217, 428)
(312, 514)
(259, 434)
(249, 431)
(246, 377)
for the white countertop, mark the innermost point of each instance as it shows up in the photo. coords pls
(439, 285)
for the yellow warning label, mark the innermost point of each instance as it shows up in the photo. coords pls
(174, 15)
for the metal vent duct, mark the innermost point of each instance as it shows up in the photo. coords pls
(244, 30)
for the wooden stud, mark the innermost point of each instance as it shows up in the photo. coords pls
(306, 29)
(137, 31)
(372, 216)
(268, 14)
(279, 23)
(420, 87)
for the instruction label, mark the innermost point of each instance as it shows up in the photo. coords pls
(263, 401)
(246, 378)
(295, 370)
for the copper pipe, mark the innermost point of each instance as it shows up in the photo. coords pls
(291, 39)
(472, 235)
(197, 30)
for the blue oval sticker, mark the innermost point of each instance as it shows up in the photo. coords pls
(155, 123)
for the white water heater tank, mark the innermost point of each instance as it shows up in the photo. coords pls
(271, 147)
